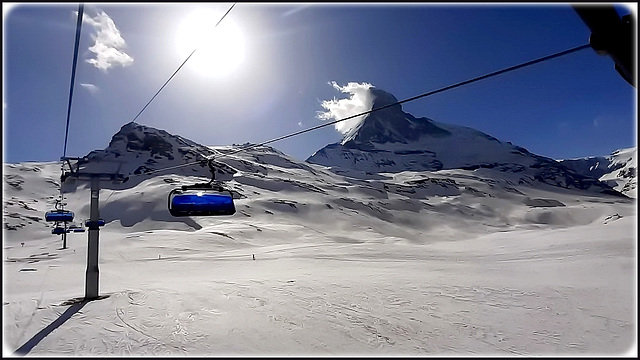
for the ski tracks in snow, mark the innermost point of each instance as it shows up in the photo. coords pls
(150, 319)
(361, 317)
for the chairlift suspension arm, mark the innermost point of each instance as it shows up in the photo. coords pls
(212, 169)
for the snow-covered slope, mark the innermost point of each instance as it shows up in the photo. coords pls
(619, 169)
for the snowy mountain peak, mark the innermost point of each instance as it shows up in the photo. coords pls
(137, 149)
(390, 124)
(391, 140)
(138, 152)
(135, 139)
(619, 169)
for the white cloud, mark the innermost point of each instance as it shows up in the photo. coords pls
(295, 10)
(91, 88)
(108, 43)
(359, 101)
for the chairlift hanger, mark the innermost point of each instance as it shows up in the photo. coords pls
(203, 199)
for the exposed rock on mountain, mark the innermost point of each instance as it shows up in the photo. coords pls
(619, 170)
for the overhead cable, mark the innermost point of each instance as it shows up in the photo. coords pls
(73, 73)
(71, 86)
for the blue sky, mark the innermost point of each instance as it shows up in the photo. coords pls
(282, 61)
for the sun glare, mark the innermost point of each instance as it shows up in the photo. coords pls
(219, 49)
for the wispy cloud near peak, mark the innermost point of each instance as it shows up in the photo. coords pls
(359, 101)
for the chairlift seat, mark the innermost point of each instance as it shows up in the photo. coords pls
(59, 215)
(58, 231)
(200, 202)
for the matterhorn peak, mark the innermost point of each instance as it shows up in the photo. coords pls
(391, 140)
(390, 124)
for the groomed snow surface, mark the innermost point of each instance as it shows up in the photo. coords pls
(347, 272)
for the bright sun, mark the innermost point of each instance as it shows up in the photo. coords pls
(219, 49)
